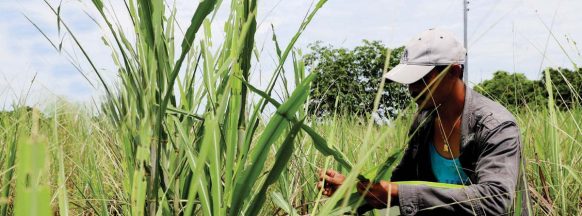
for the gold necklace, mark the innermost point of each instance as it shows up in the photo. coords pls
(446, 146)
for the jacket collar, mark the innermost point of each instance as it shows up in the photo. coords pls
(426, 118)
(467, 118)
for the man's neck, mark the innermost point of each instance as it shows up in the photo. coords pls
(451, 109)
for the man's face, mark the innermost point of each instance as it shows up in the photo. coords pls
(433, 89)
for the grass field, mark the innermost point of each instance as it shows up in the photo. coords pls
(81, 169)
(178, 134)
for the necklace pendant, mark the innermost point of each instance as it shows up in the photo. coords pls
(445, 148)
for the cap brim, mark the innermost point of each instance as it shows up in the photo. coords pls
(407, 74)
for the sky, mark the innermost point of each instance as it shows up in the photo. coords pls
(510, 35)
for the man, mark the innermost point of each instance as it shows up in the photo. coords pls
(458, 137)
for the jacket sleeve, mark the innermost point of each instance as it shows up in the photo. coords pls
(497, 173)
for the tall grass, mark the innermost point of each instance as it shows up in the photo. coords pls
(188, 149)
(190, 146)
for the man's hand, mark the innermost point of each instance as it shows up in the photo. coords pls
(330, 181)
(376, 194)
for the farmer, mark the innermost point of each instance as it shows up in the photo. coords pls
(458, 137)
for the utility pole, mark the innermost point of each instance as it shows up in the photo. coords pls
(466, 68)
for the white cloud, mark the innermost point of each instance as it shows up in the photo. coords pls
(26, 54)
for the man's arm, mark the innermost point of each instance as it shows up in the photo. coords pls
(377, 194)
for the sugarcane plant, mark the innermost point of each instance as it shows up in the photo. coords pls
(187, 131)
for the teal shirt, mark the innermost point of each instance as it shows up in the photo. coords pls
(446, 170)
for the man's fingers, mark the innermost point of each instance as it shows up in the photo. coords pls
(330, 176)
(327, 192)
(333, 180)
(321, 174)
(326, 188)
(331, 173)
(324, 173)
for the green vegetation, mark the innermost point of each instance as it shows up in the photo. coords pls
(179, 136)
(515, 90)
(94, 176)
(349, 80)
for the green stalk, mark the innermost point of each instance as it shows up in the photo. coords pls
(62, 187)
(281, 160)
(259, 108)
(32, 194)
(556, 158)
(273, 130)
(9, 164)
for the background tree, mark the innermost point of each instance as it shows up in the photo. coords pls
(349, 80)
(513, 90)
(567, 86)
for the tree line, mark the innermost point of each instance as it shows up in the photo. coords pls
(515, 90)
(349, 80)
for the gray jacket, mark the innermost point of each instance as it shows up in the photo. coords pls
(490, 156)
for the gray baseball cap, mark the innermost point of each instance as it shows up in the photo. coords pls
(433, 47)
